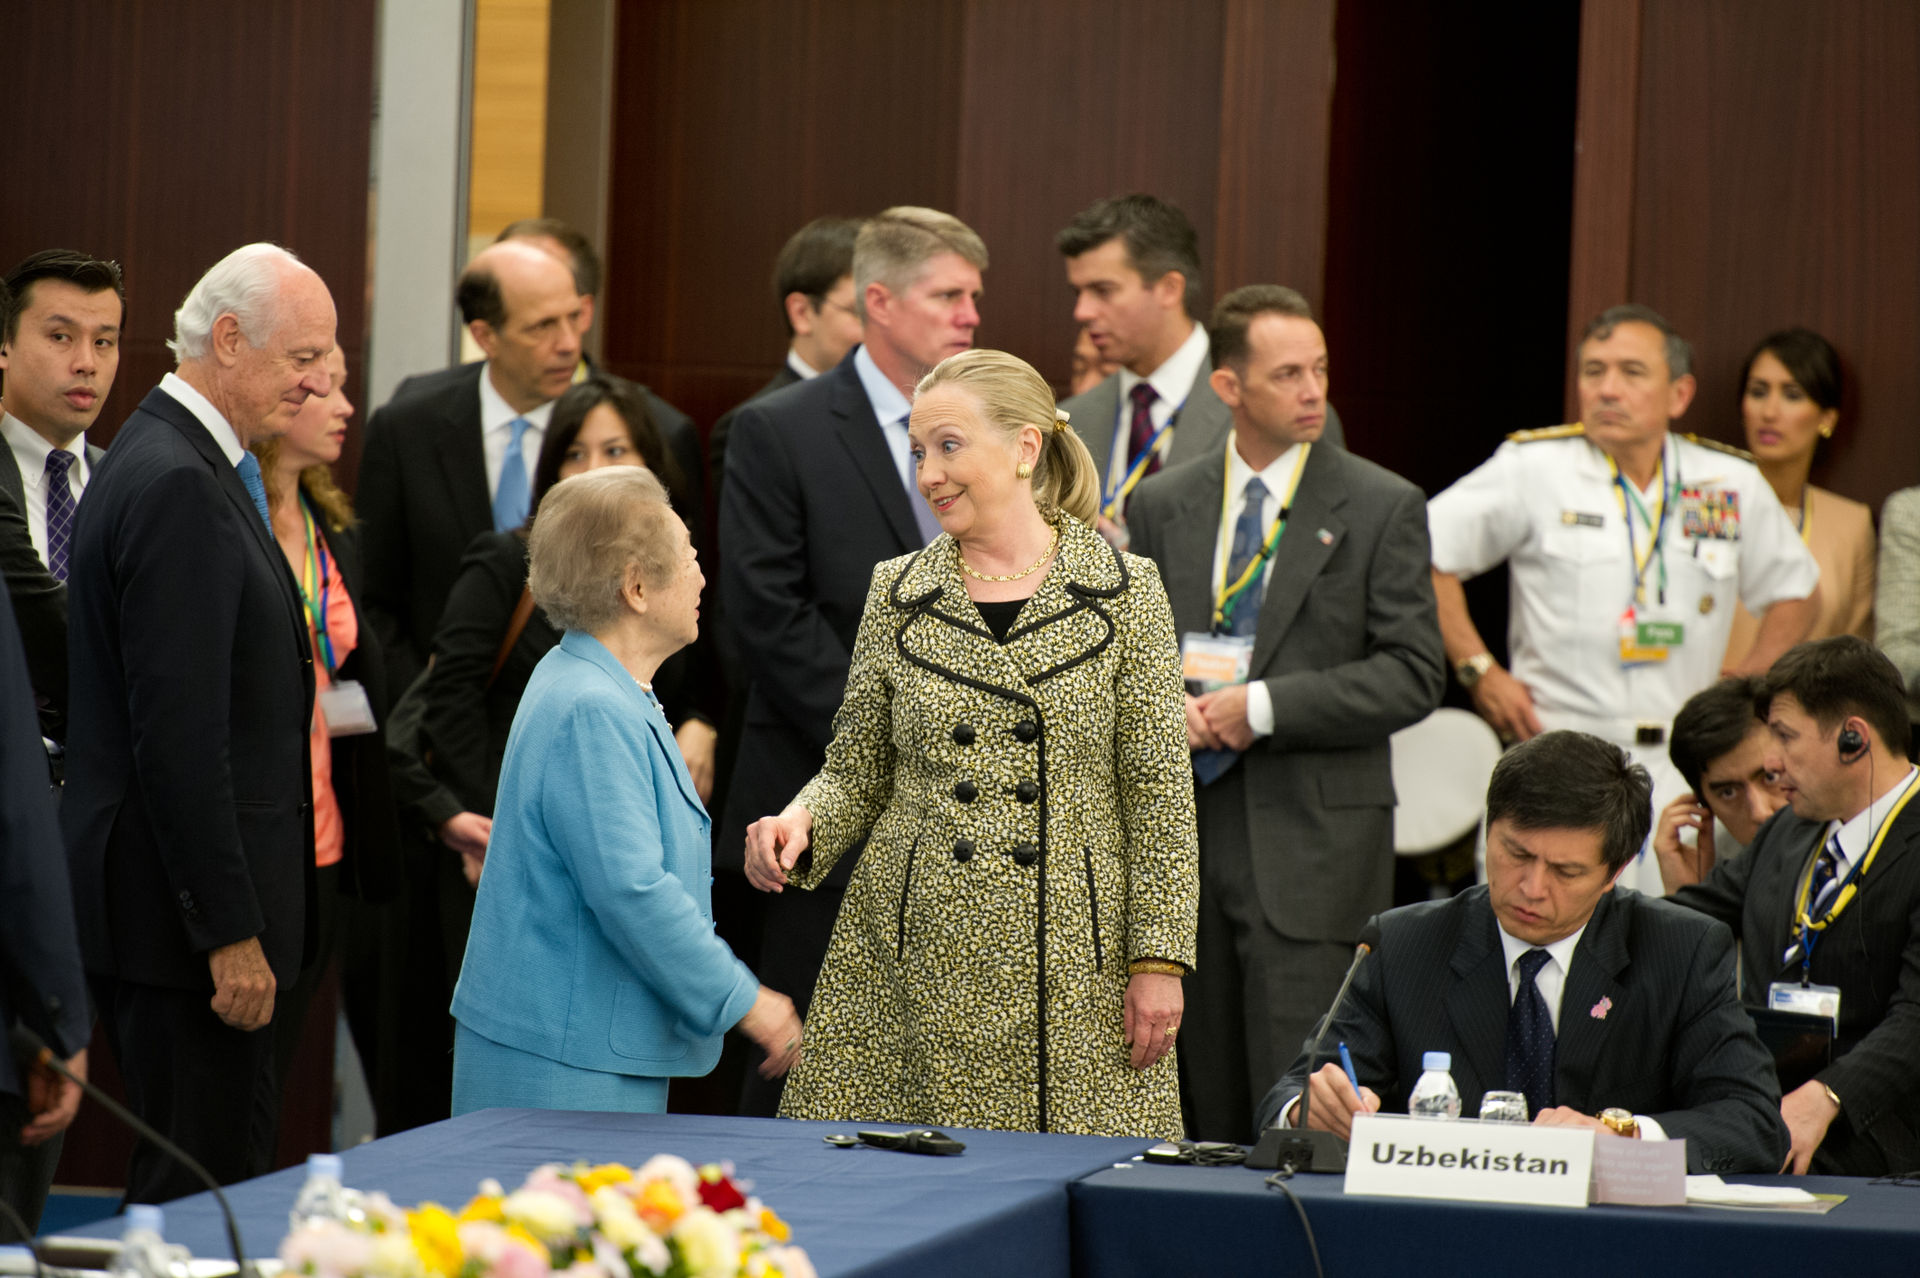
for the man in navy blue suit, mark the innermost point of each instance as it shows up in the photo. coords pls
(188, 824)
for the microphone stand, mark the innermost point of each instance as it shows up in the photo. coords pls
(1301, 1148)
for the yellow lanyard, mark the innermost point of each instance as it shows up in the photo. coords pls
(1806, 514)
(1655, 520)
(1230, 594)
(1850, 888)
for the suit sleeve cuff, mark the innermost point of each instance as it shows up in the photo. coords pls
(1260, 708)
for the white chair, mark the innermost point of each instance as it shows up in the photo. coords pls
(1441, 766)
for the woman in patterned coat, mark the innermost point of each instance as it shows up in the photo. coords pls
(1010, 949)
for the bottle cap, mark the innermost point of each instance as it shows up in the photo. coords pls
(1437, 1060)
(324, 1165)
(146, 1216)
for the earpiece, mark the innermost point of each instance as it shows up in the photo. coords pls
(1852, 744)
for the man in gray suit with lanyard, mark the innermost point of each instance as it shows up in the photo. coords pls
(1308, 636)
(1134, 264)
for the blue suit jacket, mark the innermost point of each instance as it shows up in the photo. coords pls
(592, 940)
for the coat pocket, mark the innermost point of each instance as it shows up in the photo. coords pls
(1093, 910)
(906, 890)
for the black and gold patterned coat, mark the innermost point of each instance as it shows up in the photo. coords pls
(1031, 810)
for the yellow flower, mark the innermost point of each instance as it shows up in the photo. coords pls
(482, 1207)
(774, 1227)
(660, 1199)
(605, 1174)
(436, 1237)
(525, 1235)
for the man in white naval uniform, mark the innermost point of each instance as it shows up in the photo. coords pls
(1627, 545)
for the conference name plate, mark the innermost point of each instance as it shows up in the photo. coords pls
(1393, 1156)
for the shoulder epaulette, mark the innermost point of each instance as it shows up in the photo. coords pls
(1569, 431)
(1719, 447)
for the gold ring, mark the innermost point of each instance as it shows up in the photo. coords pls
(1172, 1030)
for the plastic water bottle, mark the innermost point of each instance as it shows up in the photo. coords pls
(1435, 1096)
(322, 1197)
(143, 1249)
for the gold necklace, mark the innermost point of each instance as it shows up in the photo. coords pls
(1053, 544)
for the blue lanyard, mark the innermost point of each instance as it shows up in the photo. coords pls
(1629, 501)
(1118, 491)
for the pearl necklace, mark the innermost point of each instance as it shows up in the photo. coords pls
(1053, 544)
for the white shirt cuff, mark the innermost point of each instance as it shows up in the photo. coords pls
(1649, 1129)
(1260, 708)
(1286, 1113)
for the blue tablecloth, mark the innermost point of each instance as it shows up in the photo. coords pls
(1157, 1220)
(1001, 1207)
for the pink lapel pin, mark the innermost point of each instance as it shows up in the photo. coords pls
(1326, 538)
(1600, 1009)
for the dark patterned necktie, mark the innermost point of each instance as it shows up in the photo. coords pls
(1249, 535)
(1141, 434)
(1530, 1038)
(60, 508)
(1826, 882)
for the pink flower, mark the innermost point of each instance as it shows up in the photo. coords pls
(1600, 1009)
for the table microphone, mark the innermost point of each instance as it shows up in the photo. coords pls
(1300, 1148)
(29, 1046)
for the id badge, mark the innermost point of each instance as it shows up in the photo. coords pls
(345, 708)
(1645, 642)
(1815, 1000)
(1210, 662)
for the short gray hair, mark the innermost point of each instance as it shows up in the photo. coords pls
(896, 244)
(1679, 350)
(591, 532)
(244, 284)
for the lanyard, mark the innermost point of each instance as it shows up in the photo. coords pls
(1230, 595)
(1806, 514)
(1115, 500)
(1811, 929)
(313, 571)
(1656, 546)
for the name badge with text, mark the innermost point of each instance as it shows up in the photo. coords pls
(345, 707)
(1814, 1000)
(1211, 662)
(1398, 1157)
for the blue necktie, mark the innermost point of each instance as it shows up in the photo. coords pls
(249, 468)
(514, 493)
(1249, 535)
(60, 507)
(1530, 1038)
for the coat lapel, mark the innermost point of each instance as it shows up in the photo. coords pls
(1094, 420)
(1479, 997)
(584, 646)
(463, 460)
(861, 435)
(1587, 1003)
(1313, 530)
(1191, 540)
(1204, 420)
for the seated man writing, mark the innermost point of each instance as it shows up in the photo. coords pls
(1547, 981)
(1827, 901)
(1720, 745)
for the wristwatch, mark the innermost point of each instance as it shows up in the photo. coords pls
(1619, 1121)
(1473, 669)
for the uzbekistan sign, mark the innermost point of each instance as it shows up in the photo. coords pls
(1395, 1156)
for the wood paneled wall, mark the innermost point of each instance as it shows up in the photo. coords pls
(1747, 165)
(735, 121)
(165, 136)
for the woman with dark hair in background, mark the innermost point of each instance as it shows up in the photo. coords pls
(1789, 402)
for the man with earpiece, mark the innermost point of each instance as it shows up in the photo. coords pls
(1827, 901)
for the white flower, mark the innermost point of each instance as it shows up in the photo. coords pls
(394, 1256)
(326, 1249)
(792, 1262)
(623, 1227)
(708, 1245)
(548, 1217)
(677, 1172)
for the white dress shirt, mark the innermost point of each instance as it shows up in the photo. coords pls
(203, 410)
(891, 408)
(801, 369)
(30, 452)
(496, 430)
(1171, 383)
(1278, 477)
(1857, 834)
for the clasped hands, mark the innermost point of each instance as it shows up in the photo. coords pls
(1218, 720)
(1334, 1103)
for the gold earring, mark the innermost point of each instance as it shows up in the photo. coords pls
(1024, 469)
(1826, 432)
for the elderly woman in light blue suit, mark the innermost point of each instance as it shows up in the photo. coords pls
(592, 973)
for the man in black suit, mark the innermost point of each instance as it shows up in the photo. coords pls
(188, 824)
(1828, 895)
(1607, 1009)
(677, 431)
(59, 350)
(1320, 584)
(820, 488)
(1134, 264)
(42, 983)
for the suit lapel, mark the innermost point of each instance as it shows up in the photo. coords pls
(1094, 420)
(1313, 530)
(1191, 538)
(462, 455)
(10, 476)
(1479, 998)
(1587, 1001)
(1204, 420)
(861, 435)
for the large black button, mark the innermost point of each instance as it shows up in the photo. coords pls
(1026, 854)
(963, 734)
(1026, 730)
(966, 792)
(963, 850)
(1026, 792)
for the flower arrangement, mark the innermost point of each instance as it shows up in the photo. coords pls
(665, 1219)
